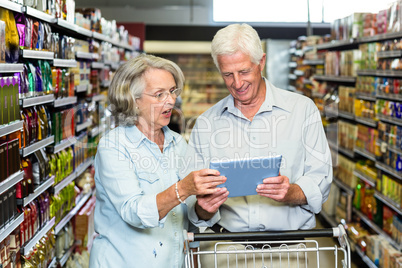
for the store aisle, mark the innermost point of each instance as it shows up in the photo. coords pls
(327, 258)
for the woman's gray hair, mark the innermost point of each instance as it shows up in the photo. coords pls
(128, 84)
(234, 38)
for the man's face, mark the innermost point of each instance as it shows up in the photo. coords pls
(243, 78)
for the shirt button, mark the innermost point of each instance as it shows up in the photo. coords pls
(175, 233)
(174, 213)
(165, 171)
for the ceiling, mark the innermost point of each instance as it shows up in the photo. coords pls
(145, 4)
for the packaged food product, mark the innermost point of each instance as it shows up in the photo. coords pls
(2, 41)
(12, 38)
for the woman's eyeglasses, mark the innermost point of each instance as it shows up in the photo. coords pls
(162, 96)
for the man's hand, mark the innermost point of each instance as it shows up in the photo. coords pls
(279, 189)
(208, 205)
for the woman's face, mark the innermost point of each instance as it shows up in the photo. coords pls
(156, 114)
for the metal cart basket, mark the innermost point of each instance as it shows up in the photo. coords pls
(269, 249)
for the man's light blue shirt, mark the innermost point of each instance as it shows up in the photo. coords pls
(130, 171)
(286, 124)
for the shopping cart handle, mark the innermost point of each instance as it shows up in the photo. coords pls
(272, 235)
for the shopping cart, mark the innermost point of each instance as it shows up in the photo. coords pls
(269, 249)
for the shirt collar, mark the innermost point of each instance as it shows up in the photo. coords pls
(136, 137)
(273, 97)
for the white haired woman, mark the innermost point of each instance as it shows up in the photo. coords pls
(140, 211)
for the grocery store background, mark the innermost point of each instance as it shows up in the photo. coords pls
(345, 55)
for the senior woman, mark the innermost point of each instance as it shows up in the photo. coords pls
(141, 211)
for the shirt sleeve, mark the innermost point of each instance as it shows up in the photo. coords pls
(117, 176)
(317, 178)
(197, 157)
(193, 217)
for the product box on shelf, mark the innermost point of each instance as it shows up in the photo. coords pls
(3, 161)
(373, 247)
(1, 213)
(5, 208)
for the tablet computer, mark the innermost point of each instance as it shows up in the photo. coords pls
(244, 175)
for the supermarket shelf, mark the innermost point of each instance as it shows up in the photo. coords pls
(346, 152)
(388, 170)
(377, 229)
(390, 119)
(37, 54)
(62, 145)
(394, 149)
(11, 227)
(38, 191)
(84, 55)
(37, 145)
(379, 37)
(389, 54)
(64, 63)
(338, 45)
(365, 96)
(343, 186)
(83, 88)
(363, 177)
(94, 132)
(105, 83)
(27, 102)
(390, 203)
(317, 95)
(366, 121)
(364, 153)
(292, 88)
(53, 263)
(97, 65)
(292, 64)
(40, 15)
(328, 218)
(364, 257)
(66, 24)
(11, 181)
(81, 168)
(83, 31)
(72, 213)
(332, 145)
(313, 62)
(65, 101)
(389, 96)
(83, 126)
(101, 37)
(99, 97)
(10, 128)
(12, 6)
(335, 78)
(298, 73)
(383, 73)
(292, 77)
(39, 234)
(11, 67)
(66, 181)
(66, 256)
(115, 65)
(76, 173)
(346, 115)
